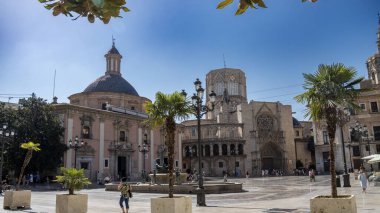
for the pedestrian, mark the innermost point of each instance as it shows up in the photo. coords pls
(125, 190)
(247, 174)
(312, 175)
(363, 178)
(31, 179)
(225, 176)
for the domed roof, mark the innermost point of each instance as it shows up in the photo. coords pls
(113, 50)
(111, 83)
(296, 123)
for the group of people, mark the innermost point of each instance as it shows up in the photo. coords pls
(126, 189)
(271, 172)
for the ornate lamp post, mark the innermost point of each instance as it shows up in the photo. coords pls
(144, 149)
(349, 145)
(343, 118)
(5, 132)
(75, 146)
(199, 111)
(363, 131)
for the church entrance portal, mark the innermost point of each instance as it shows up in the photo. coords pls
(271, 157)
(121, 166)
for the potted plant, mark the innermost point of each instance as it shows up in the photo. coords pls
(21, 198)
(72, 179)
(328, 92)
(166, 109)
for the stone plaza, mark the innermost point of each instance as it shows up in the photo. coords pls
(265, 194)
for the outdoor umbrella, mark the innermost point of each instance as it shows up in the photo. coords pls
(375, 160)
(369, 157)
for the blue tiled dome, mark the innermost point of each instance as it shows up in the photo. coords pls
(296, 123)
(111, 83)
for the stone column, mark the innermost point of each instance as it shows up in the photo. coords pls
(101, 146)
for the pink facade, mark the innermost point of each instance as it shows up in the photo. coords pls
(108, 116)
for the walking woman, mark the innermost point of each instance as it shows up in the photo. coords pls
(125, 190)
(363, 178)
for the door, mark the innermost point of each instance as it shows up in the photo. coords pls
(121, 166)
(267, 163)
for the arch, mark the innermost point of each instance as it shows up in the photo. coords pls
(224, 149)
(215, 151)
(232, 149)
(194, 150)
(187, 151)
(207, 150)
(271, 156)
(240, 149)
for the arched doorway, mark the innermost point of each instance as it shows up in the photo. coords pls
(271, 157)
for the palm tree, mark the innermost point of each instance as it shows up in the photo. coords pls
(30, 147)
(328, 91)
(72, 179)
(166, 109)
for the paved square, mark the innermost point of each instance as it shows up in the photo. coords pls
(268, 195)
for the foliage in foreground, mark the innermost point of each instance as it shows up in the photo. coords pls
(327, 93)
(107, 9)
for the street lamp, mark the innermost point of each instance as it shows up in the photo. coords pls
(144, 149)
(199, 111)
(349, 145)
(343, 118)
(235, 153)
(5, 132)
(75, 146)
(363, 131)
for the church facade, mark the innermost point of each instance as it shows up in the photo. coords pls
(237, 136)
(106, 122)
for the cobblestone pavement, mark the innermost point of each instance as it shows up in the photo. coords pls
(266, 195)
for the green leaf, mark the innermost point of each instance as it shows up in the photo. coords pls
(125, 9)
(242, 7)
(223, 4)
(260, 3)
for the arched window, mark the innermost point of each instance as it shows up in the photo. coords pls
(187, 151)
(219, 88)
(122, 136)
(240, 149)
(215, 150)
(224, 149)
(232, 149)
(195, 151)
(207, 150)
(86, 132)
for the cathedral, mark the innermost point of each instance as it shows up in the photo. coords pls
(239, 137)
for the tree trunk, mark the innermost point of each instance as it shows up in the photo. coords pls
(170, 127)
(26, 162)
(331, 120)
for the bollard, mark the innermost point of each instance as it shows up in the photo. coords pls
(338, 181)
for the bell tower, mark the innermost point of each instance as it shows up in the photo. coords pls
(113, 59)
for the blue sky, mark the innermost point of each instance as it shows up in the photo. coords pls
(167, 44)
